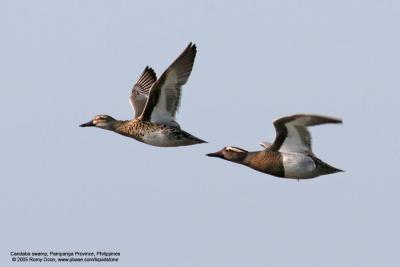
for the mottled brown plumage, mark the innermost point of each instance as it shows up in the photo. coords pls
(155, 103)
(145, 131)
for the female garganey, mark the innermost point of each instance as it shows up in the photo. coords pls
(155, 103)
(290, 155)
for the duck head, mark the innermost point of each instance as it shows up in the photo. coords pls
(101, 121)
(230, 153)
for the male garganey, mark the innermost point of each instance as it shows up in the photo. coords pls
(155, 103)
(290, 155)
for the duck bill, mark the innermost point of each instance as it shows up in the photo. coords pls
(215, 155)
(88, 124)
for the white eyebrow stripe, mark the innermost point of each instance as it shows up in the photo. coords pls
(234, 149)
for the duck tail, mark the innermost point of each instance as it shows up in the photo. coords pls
(325, 168)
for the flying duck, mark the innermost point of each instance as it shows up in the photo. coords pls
(155, 102)
(290, 155)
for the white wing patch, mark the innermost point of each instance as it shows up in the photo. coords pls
(298, 138)
(161, 114)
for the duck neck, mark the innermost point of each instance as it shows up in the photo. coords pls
(114, 125)
(248, 157)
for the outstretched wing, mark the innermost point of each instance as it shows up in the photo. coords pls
(292, 134)
(165, 94)
(141, 89)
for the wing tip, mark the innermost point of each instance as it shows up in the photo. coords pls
(151, 72)
(192, 48)
(145, 81)
(324, 119)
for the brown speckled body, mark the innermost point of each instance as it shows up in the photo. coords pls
(135, 128)
(266, 161)
(155, 102)
(156, 134)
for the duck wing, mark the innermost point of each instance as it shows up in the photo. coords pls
(292, 134)
(165, 94)
(141, 89)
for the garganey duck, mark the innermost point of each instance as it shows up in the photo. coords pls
(290, 155)
(155, 103)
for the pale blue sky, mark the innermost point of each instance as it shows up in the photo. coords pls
(68, 188)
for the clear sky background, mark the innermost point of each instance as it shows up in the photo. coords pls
(66, 188)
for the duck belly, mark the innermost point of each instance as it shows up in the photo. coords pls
(298, 166)
(170, 138)
(158, 138)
